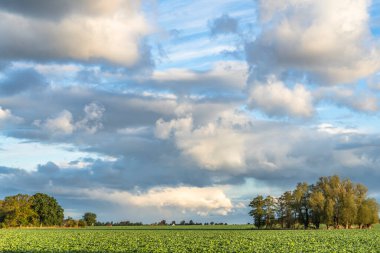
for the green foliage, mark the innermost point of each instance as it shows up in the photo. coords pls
(17, 211)
(134, 239)
(24, 210)
(331, 201)
(89, 218)
(82, 223)
(285, 209)
(49, 211)
(70, 222)
(258, 212)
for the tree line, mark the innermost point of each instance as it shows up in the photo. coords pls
(40, 209)
(331, 201)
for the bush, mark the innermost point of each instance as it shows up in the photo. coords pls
(81, 223)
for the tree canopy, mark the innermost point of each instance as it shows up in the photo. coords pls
(50, 213)
(24, 210)
(89, 218)
(331, 201)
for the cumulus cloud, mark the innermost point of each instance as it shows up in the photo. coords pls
(224, 25)
(6, 117)
(203, 201)
(328, 40)
(56, 10)
(91, 122)
(110, 31)
(275, 99)
(63, 123)
(213, 146)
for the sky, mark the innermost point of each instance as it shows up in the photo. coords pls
(179, 110)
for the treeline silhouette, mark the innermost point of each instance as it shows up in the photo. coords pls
(331, 201)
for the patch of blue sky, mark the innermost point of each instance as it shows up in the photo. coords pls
(198, 62)
(345, 117)
(23, 154)
(375, 18)
(192, 46)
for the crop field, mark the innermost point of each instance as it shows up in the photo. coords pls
(185, 239)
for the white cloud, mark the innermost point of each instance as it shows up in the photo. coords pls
(200, 200)
(133, 130)
(222, 74)
(111, 32)
(275, 99)
(330, 40)
(6, 117)
(216, 145)
(63, 123)
(364, 101)
(91, 122)
(4, 113)
(331, 129)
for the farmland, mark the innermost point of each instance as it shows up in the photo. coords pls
(186, 239)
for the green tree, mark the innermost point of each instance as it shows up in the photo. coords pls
(332, 201)
(374, 207)
(348, 205)
(329, 186)
(18, 211)
(269, 211)
(285, 209)
(301, 197)
(89, 218)
(81, 223)
(368, 213)
(49, 211)
(257, 212)
(2, 213)
(317, 204)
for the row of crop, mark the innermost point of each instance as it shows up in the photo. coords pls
(188, 241)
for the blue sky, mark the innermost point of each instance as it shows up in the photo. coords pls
(151, 110)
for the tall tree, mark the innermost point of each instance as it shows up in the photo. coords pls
(269, 211)
(49, 211)
(347, 203)
(89, 218)
(332, 201)
(18, 211)
(301, 203)
(285, 209)
(317, 204)
(330, 193)
(368, 213)
(257, 212)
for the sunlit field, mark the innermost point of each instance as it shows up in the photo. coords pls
(188, 239)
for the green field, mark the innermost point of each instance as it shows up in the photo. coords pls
(187, 239)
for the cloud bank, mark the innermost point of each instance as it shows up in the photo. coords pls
(110, 31)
